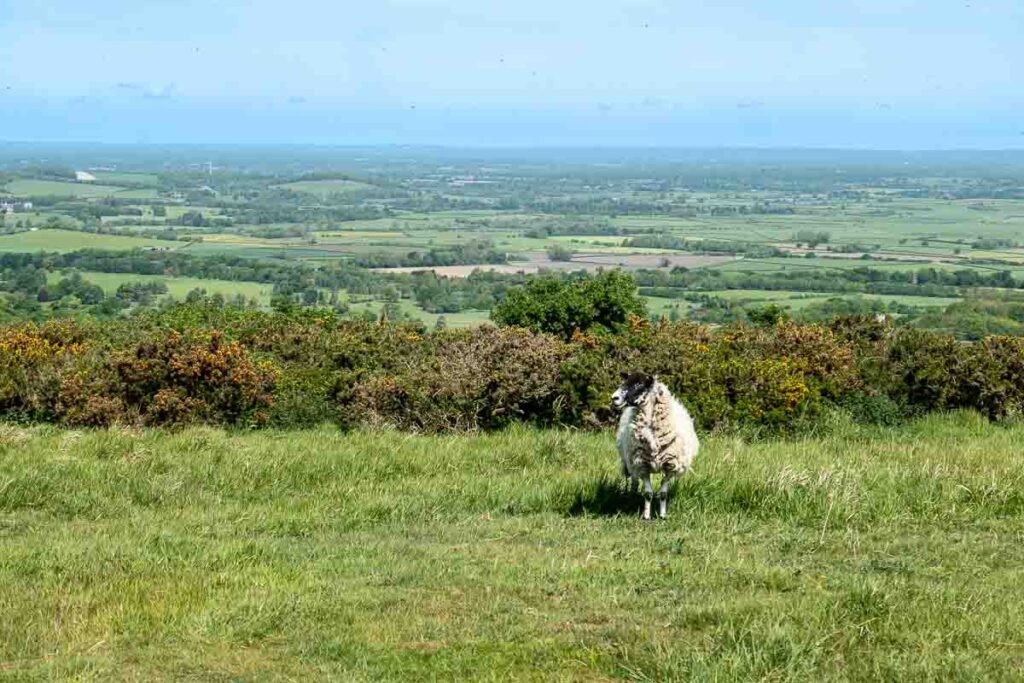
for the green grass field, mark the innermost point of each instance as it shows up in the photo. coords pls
(139, 193)
(326, 187)
(798, 300)
(116, 177)
(178, 287)
(466, 318)
(32, 188)
(870, 554)
(70, 240)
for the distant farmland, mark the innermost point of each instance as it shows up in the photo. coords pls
(178, 287)
(326, 187)
(70, 240)
(38, 188)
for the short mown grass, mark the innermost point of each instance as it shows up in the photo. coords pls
(865, 554)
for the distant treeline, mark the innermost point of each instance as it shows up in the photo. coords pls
(471, 253)
(708, 246)
(919, 282)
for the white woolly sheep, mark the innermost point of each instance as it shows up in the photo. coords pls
(655, 434)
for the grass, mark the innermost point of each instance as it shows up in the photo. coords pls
(71, 240)
(204, 555)
(178, 287)
(326, 187)
(467, 318)
(116, 177)
(26, 187)
(799, 300)
(140, 193)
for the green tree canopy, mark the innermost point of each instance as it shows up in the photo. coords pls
(562, 305)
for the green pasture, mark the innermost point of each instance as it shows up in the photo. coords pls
(178, 287)
(860, 554)
(467, 318)
(117, 177)
(70, 240)
(326, 187)
(30, 187)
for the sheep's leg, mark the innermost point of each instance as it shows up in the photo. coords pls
(634, 485)
(666, 480)
(648, 496)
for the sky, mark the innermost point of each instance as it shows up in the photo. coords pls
(868, 74)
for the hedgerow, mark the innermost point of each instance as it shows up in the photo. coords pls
(244, 368)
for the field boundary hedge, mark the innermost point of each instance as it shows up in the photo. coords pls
(196, 364)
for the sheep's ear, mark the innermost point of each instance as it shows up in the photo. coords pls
(655, 379)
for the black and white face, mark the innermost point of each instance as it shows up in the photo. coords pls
(632, 391)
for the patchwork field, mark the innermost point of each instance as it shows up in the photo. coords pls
(696, 224)
(868, 554)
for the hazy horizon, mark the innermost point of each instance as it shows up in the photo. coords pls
(872, 74)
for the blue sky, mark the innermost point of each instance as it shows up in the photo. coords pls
(859, 73)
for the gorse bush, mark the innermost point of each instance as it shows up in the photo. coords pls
(767, 377)
(32, 361)
(246, 368)
(924, 372)
(485, 377)
(170, 380)
(68, 373)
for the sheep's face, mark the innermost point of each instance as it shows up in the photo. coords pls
(632, 391)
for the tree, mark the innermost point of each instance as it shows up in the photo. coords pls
(560, 306)
(195, 295)
(767, 316)
(812, 237)
(194, 219)
(559, 252)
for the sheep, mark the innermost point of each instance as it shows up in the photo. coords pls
(655, 434)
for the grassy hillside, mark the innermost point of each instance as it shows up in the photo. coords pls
(382, 556)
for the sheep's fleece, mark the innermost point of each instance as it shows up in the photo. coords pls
(656, 433)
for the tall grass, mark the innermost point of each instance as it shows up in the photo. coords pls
(204, 554)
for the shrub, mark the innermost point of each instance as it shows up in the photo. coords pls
(305, 367)
(994, 381)
(773, 378)
(173, 380)
(872, 408)
(919, 370)
(32, 361)
(558, 306)
(484, 378)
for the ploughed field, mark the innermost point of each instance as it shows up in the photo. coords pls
(864, 553)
